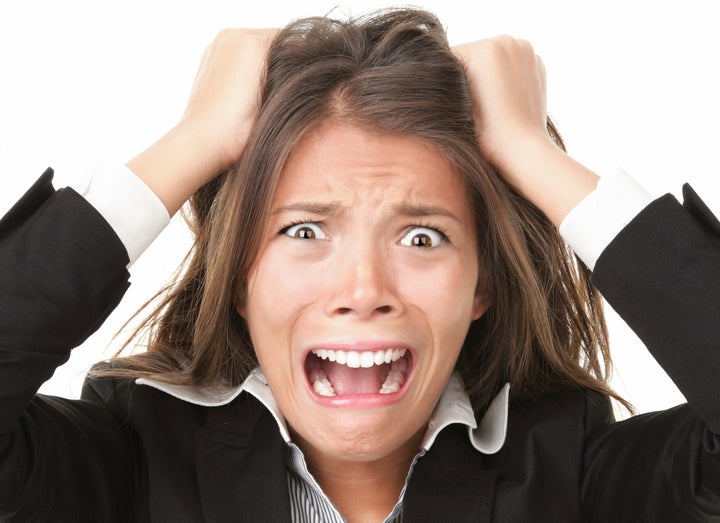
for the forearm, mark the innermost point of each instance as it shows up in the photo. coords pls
(179, 163)
(62, 270)
(661, 275)
(507, 81)
(546, 175)
(219, 116)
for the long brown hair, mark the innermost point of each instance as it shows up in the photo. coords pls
(389, 72)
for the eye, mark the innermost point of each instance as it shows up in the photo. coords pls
(305, 231)
(423, 237)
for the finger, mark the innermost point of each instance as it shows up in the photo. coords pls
(541, 72)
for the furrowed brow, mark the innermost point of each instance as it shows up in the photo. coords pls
(424, 210)
(321, 208)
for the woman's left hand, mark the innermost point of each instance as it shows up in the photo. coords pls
(507, 81)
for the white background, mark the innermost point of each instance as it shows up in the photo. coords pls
(631, 84)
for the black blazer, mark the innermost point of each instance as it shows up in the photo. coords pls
(128, 452)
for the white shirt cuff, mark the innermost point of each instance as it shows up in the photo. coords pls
(593, 223)
(134, 212)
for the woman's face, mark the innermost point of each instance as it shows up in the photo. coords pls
(363, 291)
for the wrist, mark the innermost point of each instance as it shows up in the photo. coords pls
(512, 152)
(177, 165)
(218, 150)
(544, 174)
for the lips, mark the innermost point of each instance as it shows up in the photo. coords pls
(341, 372)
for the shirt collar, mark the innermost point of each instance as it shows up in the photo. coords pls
(454, 406)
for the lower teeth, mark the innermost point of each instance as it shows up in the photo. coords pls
(392, 382)
(395, 378)
(322, 385)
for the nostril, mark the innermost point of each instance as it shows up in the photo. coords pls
(384, 309)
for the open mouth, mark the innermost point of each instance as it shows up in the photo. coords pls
(345, 372)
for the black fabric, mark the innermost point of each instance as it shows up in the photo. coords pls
(40, 191)
(662, 275)
(62, 270)
(128, 452)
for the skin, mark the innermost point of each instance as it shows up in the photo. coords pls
(219, 115)
(505, 75)
(358, 283)
(508, 82)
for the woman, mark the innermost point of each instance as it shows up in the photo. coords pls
(362, 250)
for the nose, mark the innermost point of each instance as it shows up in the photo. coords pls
(362, 283)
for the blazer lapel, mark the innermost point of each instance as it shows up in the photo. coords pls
(451, 482)
(240, 463)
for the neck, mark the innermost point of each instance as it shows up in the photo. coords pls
(363, 491)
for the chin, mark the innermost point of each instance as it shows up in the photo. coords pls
(354, 437)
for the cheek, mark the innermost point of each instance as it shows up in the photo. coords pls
(278, 291)
(445, 293)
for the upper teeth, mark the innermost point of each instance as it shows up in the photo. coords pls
(355, 359)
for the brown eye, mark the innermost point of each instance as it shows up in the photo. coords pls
(423, 238)
(305, 231)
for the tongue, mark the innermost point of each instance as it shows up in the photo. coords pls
(346, 380)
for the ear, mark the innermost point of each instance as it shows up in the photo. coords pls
(481, 303)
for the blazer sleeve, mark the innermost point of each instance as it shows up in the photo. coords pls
(62, 270)
(662, 275)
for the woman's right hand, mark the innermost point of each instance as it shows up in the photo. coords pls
(224, 100)
(220, 113)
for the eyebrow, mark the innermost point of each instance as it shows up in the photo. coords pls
(334, 209)
(424, 210)
(323, 209)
